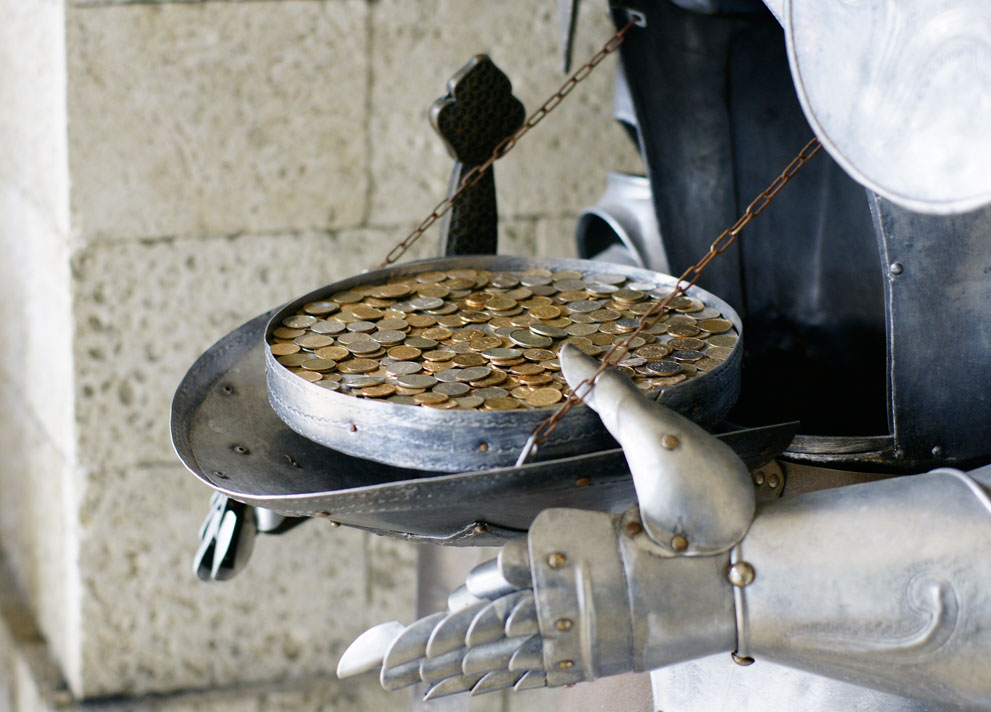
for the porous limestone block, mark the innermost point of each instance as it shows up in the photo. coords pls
(37, 526)
(219, 117)
(149, 624)
(555, 170)
(555, 237)
(145, 310)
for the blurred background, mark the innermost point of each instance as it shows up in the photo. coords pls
(169, 170)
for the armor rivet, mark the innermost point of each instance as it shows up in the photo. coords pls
(563, 624)
(353, 428)
(557, 560)
(583, 481)
(479, 529)
(899, 454)
(566, 664)
(679, 543)
(741, 574)
(633, 528)
(742, 659)
(758, 478)
(937, 451)
(670, 442)
(483, 447)
(896, 268)
(221, 475)
(241, 450)
(773, 482)
(321, 514)
(334, 525)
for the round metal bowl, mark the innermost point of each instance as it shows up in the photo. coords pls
(461, 440)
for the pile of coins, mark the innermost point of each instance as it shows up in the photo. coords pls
(479, 340)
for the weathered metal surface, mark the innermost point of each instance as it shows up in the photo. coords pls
(454, 440)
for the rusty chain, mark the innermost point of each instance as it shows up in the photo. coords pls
(507, 144)
(687, 280)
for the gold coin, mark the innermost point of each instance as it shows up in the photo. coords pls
(334, 353)
(429, 277)
(538, 354)
(496, 378)
(379, 391)
(469, 359)
(600, 315)
(438, 355)
(478, 300)
(319, 364)
(566, 274)
(294, 360)
(716, 326)
(284, 332)
(601, 339)
(653, 352)
(686, 343)
(628, 295)
(404, 353)
(435, 366)
(359, 365)
(724, 340)
(284, 349)
(527, 369)
(311, 376)
(543, 397)
(321, 308)
(314, 341)
(437, 334)
(720, 353)
(420, 321)
(430, 397)
(669, 380)
(505, 403)
(432, 290)
(450, 321)
(347, 297)
(536, 379)
(475, 317)
(548, 311)
(391, 291)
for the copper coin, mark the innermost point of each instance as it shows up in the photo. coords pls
(284, 349)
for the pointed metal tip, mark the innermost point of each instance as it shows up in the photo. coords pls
(368, 649)
(451, 686)
(492, 681)
(531, 681)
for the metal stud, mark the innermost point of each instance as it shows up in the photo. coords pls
(670, 442)
(741, 574)
(679, 543)
(557, 560)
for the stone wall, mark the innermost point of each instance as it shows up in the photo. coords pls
(167, 171)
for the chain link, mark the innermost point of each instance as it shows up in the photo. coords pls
(687, 280)
(507, 144)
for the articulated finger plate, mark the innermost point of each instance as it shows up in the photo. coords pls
(487, 640)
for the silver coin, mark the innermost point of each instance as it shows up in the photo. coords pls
(351, 337)
(329, 385)
(525, 337)
(581, 329)
(505, 280)
(629, 324)
(393, 325)
(426, 302)
(401, 400)
(416, 380)
(583, 307)
(633, 362)
(662, 368)
(451, 389)
(362, 327)
(491, 392)
(328, 326)
(448, 376)
(474, 373)
(543, 290)
(554, 332)
(388, 336)
(569, 285)
(687, 355)
(505, 331)
(707, 313)
(404, 307)
(534, 280)
(608, 278)
(366, 346)
(641, 286)
(420, 342)
(599, 288)
(403, 368)
(441, 310)
(366, 381)
(299, 321)
(502, 354)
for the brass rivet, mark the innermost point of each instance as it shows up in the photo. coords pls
(557, 560)
(484, 447)
(670, 442)
(334, 525)
(633, 528)
(741, 574)
(321, 514)
(563, 624)
(742, 659)
(566, 664)
(583, 481)
(773, 482)
(679, 543)
(353, 428)
(479, 529)
(758, 478)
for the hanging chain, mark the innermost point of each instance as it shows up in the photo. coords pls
(687, 280)
(507, 144)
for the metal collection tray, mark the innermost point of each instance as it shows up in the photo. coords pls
(459, 440)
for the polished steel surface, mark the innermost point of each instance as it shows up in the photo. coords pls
(899, 92)
(458, 440)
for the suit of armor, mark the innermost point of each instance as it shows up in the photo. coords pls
(865, 314)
